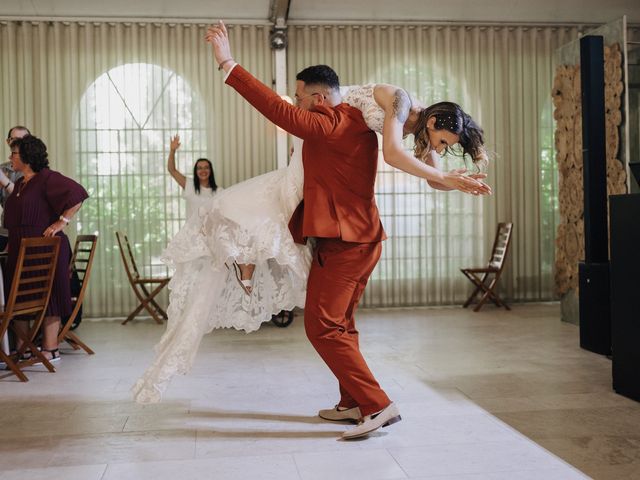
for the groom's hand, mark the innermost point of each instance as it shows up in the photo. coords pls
(219, 39)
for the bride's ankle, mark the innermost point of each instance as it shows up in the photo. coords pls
(246, 270)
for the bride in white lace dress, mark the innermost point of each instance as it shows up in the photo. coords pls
(247, 224)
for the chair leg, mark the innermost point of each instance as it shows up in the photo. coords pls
(498, 301)
(159, 311)
(152, 300)
(35, 353)
(133, 314)
(478, 283)
(145, 302)
(475, 291)
(490, 294)
(482, 285)
(482, 301)
(13, 367)
(76, 343)
(471, 298)
(154, 314)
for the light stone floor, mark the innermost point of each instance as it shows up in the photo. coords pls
(493, 395)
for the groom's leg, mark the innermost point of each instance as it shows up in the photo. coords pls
(338, 275)
(346, 400)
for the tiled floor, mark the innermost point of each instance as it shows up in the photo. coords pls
(494, 395)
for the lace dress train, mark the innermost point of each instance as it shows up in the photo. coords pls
(246, 223)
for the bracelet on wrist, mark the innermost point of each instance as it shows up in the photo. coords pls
(224, 62)
(64, 219)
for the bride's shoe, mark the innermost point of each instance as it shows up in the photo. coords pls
(247, 284)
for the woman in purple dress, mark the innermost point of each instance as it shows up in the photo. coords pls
(42, 204)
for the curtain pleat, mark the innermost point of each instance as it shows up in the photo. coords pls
(54, 77)
(501, 75)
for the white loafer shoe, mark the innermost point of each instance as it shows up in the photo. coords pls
(338, 414)
(371, 423)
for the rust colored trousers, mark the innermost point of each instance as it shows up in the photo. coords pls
(337, 279)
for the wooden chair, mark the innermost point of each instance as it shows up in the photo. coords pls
(81, 262)
(139, 284)
(485, 279)
(28, 299)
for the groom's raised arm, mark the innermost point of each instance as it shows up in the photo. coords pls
(299, 122)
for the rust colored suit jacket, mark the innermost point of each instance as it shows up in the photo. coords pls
(340, 158)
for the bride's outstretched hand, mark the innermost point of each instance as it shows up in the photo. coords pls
(218, 37)
(471, 183)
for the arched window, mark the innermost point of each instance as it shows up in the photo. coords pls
(122, 129)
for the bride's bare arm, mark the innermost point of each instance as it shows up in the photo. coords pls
(396, 104)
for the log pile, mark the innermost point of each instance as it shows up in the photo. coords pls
(568, 142)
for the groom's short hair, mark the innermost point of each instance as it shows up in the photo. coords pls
(319, 75)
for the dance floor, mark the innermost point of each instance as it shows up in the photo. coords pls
(492, 395)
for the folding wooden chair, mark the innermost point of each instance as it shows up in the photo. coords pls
(485, 279)
(28, 299)
(139, 284)
(81, 262)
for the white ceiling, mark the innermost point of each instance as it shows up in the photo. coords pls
(540, 11)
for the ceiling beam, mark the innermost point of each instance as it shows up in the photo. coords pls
(279, 12)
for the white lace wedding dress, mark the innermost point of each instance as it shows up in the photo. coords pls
(246, 223)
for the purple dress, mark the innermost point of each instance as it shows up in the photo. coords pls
(40, 203)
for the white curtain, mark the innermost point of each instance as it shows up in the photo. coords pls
(502, 76)
(105, 98)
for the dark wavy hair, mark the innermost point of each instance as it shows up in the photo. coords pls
(212, 178)
(33, 152)
(451, 117)
(319, 75)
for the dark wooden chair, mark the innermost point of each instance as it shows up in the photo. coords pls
(81, 262)
(141, 285)
(28, 300)
(485, 279)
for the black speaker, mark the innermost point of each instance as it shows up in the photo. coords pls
(595, 317)
(594, 302)
(596, 246)
(625, 293)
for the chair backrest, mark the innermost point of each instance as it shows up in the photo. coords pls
(32, 279)
(501, 245)
(127, 257)
(81, 262)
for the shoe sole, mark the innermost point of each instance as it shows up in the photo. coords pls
(51, 360)
(391, 421)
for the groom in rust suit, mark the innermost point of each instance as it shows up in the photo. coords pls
(340, 159)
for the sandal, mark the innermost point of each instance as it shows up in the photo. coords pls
(55, 356)
(246, 285)
(26, 355)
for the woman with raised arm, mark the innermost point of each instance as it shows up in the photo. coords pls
(199, 190)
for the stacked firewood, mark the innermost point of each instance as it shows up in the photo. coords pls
(568, 141)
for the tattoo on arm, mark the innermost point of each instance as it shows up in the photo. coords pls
(401, 105)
